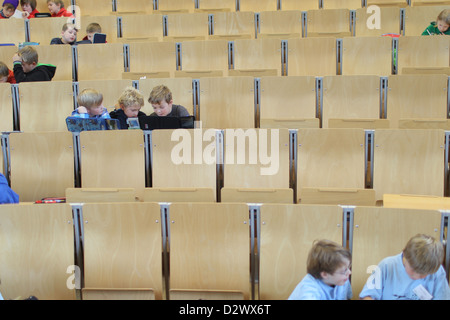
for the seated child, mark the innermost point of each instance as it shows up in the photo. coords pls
(92, 29)
(90, 104)
(68, 35)
(56, 8)
(328, 268)
(440, 26)
(130, 103)
(162, 103)
(8, 8)
(27, 69)
(29, 8)
(7, 195)
(6, 75)
(414, 274)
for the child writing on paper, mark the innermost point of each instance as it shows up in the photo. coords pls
(90, 104)
(329, 269)
(414, 274)
(162, 103)
(129, 105)
(440, 26)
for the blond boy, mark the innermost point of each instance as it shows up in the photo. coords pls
(90, 105)
(28, 69)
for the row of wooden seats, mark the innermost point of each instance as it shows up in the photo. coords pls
(276, 165)
(216, 250)
(369, 102)
(410, 21)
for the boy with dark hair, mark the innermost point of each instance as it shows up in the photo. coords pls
(8, 8)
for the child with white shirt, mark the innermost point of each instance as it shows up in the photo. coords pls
(414, 274)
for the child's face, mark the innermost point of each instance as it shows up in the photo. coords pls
(27, 67)
(3, 79)
(163, 109)
(53, 7)
(8, 12)
(70, 35)
(27, 7)
(410, 271)
(96, 111)
(339, 277)
(90, 36)
(131, 111)
(442, 26)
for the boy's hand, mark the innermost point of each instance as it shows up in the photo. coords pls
(17, 58)
(82, 110)
(25, 15)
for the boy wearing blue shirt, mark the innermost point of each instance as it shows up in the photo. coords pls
(328, 268)
(414, 274)
(7, 195)
(90, 104)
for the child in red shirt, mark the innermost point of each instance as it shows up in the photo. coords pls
(6, 75)
(28, 8)
(56, 8)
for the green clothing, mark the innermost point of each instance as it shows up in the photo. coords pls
(433, 30)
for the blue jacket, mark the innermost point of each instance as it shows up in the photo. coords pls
(7, 195)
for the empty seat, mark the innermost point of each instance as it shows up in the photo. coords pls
(100, 61)
(367, 56)
(179, 195)
(382, 232)
(83, 195)
(59, 56)
(182, 26)
(312, 57)
(153, 58)
(328, 23)
(288, 102)
(257, 55)
(421, 52)
(134, 6)
(233, 25)
(37, 252)
(142, 27)
(217, 5)
(203, 58)
(258, 5)
(176, 6)
(408, 162)
(377, 21)
(6, 54)
(342, 168)
(257, 159)
(51, 113)
(280, 24)
(387, 3)
(299, 5)
(122, 250)
(227, 102)
(13, 31)
(209, 251)
(184, 159)
(97, 8)
(416, 97)
(42, 164)
(416, 202)
(287, 233)
(429, 2)
(6, 111)
(350, 98)
(342, 4)
(122, 150)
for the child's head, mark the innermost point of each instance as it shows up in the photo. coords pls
(423, 255)
(29, 58)
(9, 7)
(161, 100)
(54, 6)
(329, 262)
(28, 5)
(68, 33)
(131, 101)
(92, 100)
(91, 29)
(443, 20)
(4, 72)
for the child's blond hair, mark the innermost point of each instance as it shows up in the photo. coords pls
(89, 98)
(131, 97)
(424, 254)
(29, 55)
(93, 27)
(69, 25)
(444, 16)
(160, 93)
